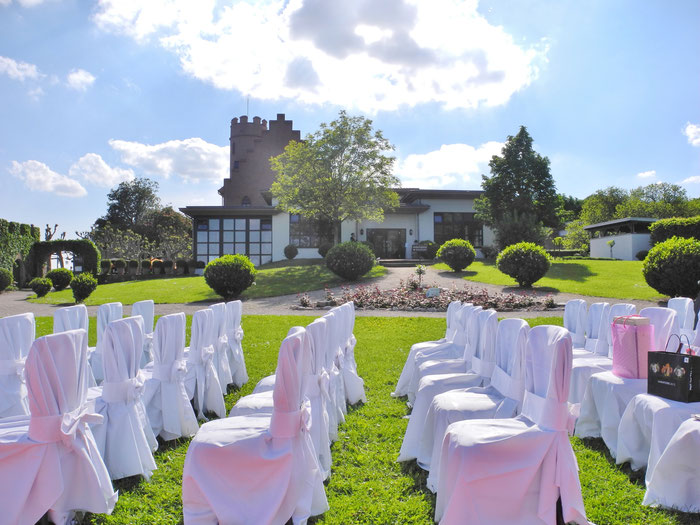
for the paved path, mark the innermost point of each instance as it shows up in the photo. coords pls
(14, 302)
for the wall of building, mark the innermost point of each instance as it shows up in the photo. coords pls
(626, 246)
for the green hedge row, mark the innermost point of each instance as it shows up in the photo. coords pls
(664, 229)
(16, 239)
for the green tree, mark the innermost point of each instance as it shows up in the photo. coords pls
(130, 204)
(660, 201)
(602, 205)
(576, 237)
(340, 172)
(569, 208)
(520, 191)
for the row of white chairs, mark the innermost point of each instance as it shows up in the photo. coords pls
(490, 417)
(267, 461)
(118, 421)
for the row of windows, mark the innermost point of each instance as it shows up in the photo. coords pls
(246, 236)
(458, 226)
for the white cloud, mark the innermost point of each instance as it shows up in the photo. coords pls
(453, 166)
(692, 180)
(79, 79)
(401, 52)
(647, 174)
(191, 159)
(692, 131)
(18, 70)
(93, 169)
(37, 176)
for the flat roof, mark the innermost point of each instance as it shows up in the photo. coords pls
(626, 220)
(228, 211)
(412, 194)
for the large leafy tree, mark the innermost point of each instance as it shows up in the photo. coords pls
(601, 206)
(520, 191)
(340, 172)
(130, 203)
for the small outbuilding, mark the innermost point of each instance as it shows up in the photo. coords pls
(621, 238)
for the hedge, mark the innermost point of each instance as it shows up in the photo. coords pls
(664, 229)
(80, 247)
(16, 239)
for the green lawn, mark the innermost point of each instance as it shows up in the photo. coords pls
(271, 280)
(367, 484)
(600, 278)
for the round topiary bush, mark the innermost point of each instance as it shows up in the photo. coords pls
(60, 278)
(324, 247)
(291, 251)
(83, 285)
(168, 264)
(181, 265)
(157, 266)
(642, 254)
(120, 264)
(457, 254)
(230, 275)
(350, 260)
(431, 250)
(145, 264)
(673, 267)
(5, 279)
(133, 264)
(40, 286)
(526, 262)
(105, 265)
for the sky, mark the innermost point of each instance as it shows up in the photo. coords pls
(93, 93)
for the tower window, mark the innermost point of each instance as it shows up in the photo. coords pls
(245, 201)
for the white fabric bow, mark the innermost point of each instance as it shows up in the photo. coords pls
(288, 424)
(62, 427)
(172, 373)
(127, 391)
(10, 367)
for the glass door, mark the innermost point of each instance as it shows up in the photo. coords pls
(388, 243)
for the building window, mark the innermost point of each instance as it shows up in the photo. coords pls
(251, 237)
(304, 232)
(245, 201)
(458, 226)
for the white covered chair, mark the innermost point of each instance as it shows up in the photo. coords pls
(167, 405)
(202, 381)
(685, 316)
(74, 318)
(513, 471)
(462, 377)
(234, 312)
(596, 320)
(17, 333)
(575, 314)
(673, 483)
(145, 309)
(106, 313)
(617, 310)
(124, 438)
(354, 384)
(259, 469)
(503, 398)
(336, 389)
(607, 395)
(49, 460)
(453, 320)
(221, 347)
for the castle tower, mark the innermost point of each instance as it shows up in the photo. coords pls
(252, 146)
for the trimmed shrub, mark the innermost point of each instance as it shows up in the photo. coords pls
(642, 254)
(145, 264)
(5, 279)
(60, 278)
(291, 251)
(119, 263)
(350, 260)
(40, 286)
(230, 275)
(457, 254)
(526, 262)
(83, 285)
(324, 247)
(431, 252)
(105, 266)
(133, 264)
(200, 264)
(673, 267)
(181, 265)
(157, 266)
(674, 227)
(167, 264)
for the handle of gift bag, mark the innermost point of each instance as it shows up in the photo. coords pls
(680, 342)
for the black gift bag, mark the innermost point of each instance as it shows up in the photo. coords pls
(673, 375)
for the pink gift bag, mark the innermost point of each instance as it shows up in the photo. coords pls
(633, 339)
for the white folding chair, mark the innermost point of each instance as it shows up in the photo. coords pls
(145, 309)
(575, 313)
(354, 384)
(106, 313)
(75, 318)
(17, 334)
(261, 468)
(221, 362)
(49, 460)
(685, 316)
(234, 312)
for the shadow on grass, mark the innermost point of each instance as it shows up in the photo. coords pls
(598, 445)
(570, 272)
(536, 290)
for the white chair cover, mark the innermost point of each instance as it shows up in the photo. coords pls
(74, 318)
(167, 405)
(354, 384)
(454, 325)
(501, 399)
(221, 360)
(125, 439)
(685, 316)
(336, 413)
(596, 322)
(259, 469)
(202, 381)
(606, 395)
(17, 334)
(499, 471)
(234, 312)
(106, 313)
(145, 309)
(49, 460)
(434, 384)
(617, 310)
(575, 312)
(674, 481)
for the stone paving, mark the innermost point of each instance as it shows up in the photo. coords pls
(15, 302)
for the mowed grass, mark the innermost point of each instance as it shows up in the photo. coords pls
(271, 280)
(367, 485)
(598, 278)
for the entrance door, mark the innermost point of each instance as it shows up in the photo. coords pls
(388, 243)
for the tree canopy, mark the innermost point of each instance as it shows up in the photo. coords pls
(520, 191)
(129, 204)
(340, 172)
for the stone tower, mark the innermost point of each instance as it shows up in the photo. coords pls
(252, 146)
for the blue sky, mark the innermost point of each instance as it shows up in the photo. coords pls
(96, 92)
